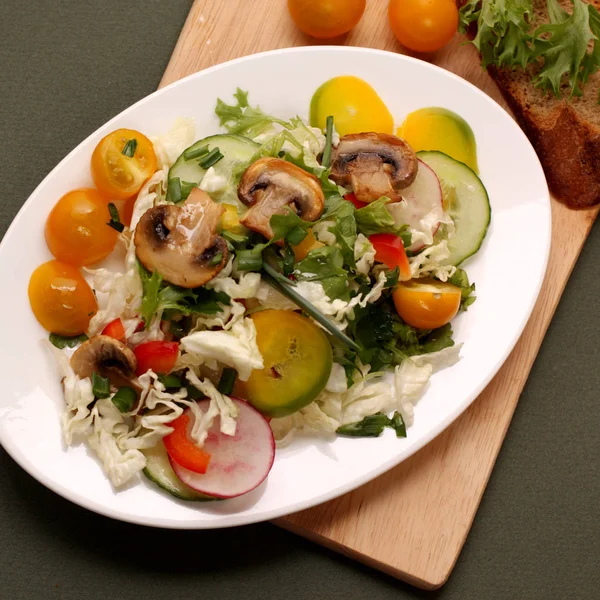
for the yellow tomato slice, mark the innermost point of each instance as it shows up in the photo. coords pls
(426, 303)
(297, 360)
(354, 104)
(122, 162)
(61, 299)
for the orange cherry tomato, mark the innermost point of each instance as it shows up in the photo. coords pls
(426, 303)
(182, 449)
(120, 176)
(76, 229)
(61, 299)
(158, 356)
(326, 18)
(423, 25)
(390, 251)
(357, 203)
(115, 330)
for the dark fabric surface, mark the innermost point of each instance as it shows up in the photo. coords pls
(66, 67)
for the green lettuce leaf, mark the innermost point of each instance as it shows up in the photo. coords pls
(325, 265)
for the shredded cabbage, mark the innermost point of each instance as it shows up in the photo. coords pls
(168, 147)
(364, 254)
(235, 348)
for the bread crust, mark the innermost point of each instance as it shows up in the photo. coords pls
(564, 132)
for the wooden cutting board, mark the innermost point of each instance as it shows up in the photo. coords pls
(413, 521)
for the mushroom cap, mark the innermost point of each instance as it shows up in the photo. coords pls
(374, 165)
(180, 241)
(270, 185)
(108, 357)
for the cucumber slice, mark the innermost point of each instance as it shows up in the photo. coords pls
(237, 152)
(469, 205)
(158, 469)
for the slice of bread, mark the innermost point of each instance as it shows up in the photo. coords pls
(564, 132)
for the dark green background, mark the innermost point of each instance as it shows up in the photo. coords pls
(67, 66)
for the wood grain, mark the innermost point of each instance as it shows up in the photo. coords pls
(411, 522)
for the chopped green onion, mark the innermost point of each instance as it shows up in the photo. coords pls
(174, 190)
(189, 154)
(186, 188)
(125, 399)
(129, 148)
(115, 219)
(212, 158)
(170, 381)
(398, 425)
(227, 381)
(60, 341)
(296, 235)
(100, 386)
(216, 259)
(193, 393)
(249, 260)
(371, 426)
(326, 160)
(281, 284)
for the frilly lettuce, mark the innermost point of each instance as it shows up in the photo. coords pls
(364, 254)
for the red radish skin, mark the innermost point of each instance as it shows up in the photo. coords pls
(238, 463)
(419, 199)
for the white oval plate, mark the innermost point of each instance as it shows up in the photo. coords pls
(508, 271)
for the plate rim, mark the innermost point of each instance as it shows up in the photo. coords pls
(234, 519)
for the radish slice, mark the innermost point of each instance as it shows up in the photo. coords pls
(421, 207)
(238, 463)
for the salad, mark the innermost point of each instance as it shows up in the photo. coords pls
(272, 280)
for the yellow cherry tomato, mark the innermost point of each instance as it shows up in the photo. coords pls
(76, 229)
(122, 162)
(297, 361)
(309, 243)
(326, 18)
(61, 299)
(423, 25)
(426, 303)
(354, 104)
(440, 129)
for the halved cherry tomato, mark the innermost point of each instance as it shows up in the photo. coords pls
(306, 245)
(182, 449)
(115, 330)
(328, 19)
(426, 303)
(117, 175)
(390, 251)
(357, 203)
(158, 356)
(61, 299)
(423, 25)
(76, 229)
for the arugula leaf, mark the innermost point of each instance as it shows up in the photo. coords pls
(325, 265)
(376, 218)
(563, 47)
(330, 188)
(437, 340)
(243, 119)
(158, 297)
(283, 225)
(61, 341)
(461, 280)
(150, 285)
(344, 228)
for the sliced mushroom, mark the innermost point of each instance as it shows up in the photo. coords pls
(106, 356)
(181, 241)
(374, 165)
(270, 185)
